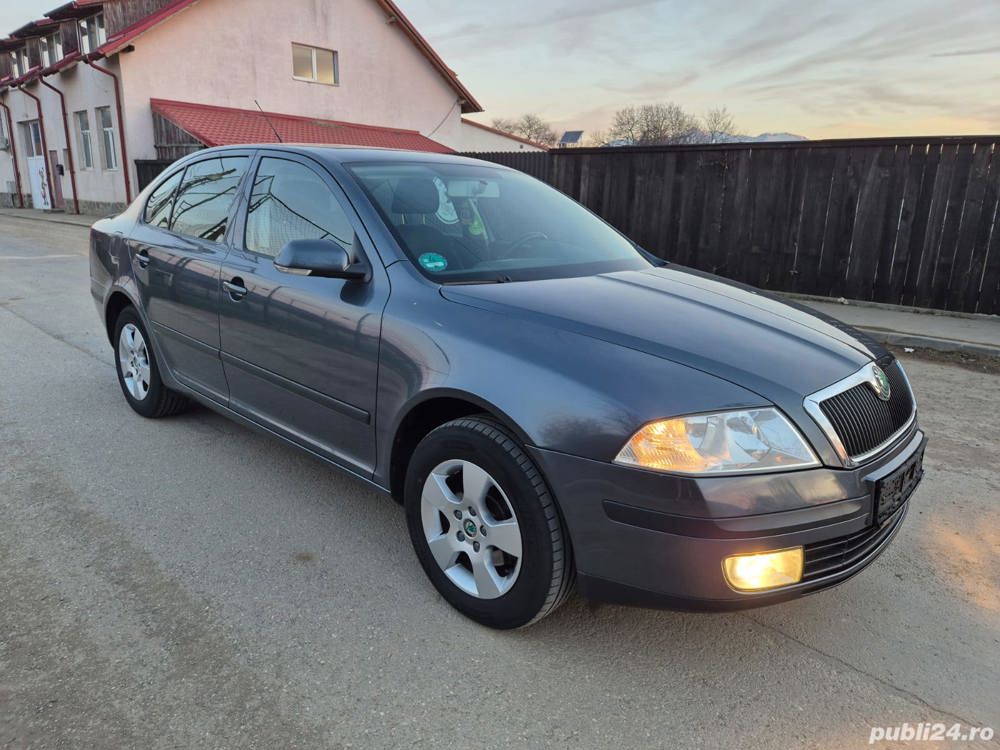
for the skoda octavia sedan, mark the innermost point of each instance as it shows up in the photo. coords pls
(550, 404)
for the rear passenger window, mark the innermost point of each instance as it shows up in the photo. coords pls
(161, 201)
(291, 202)
(201, 208)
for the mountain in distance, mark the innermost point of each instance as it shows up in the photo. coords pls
(768, 137)
(701, 137)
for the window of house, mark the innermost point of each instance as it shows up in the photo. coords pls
(84, 140)
(51, 49)
(161, 202)
(291, 202)
(19, 61)
(92, 34)
(109, 150)
(32, 135)
(315, 64)
(205, 197)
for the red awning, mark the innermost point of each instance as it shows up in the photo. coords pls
(220, 126)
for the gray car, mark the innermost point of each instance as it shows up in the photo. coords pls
(550, 403)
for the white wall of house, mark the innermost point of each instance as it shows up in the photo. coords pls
(84, 89)
(473, 138)
(226, 53)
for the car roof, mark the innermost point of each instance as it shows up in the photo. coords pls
(341, 154)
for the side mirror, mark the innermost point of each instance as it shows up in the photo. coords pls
(323, 258)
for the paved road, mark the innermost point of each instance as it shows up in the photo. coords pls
(188, 583)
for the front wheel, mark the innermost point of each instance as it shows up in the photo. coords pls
(484, 526)
(138, 372)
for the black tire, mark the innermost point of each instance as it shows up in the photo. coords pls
(547, 573)
(159, 401)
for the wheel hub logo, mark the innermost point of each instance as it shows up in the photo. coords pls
(470, 527)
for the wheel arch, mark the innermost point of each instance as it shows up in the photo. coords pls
(431, 410)
(117, 301)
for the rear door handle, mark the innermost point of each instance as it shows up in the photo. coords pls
(235, 288)
(142, 258)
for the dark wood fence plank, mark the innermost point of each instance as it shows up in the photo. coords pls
(989, 226)
(955, 295)
(900, 220)
(809, 244)
(944, 255)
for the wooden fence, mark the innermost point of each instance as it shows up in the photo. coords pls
(912, 221)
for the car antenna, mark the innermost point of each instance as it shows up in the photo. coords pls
(269, 123)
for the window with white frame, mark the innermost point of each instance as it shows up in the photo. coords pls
(4, 136)
(106, 126)
(92, 34)
(31, 132)
(51, 49)
(19, 61)
(315, 64)
(84, 140)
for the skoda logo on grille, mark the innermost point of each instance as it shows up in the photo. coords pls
(881, 385)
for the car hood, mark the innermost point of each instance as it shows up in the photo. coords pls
(780, 350)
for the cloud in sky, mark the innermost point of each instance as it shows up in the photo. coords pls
(825, 68)
(821, 68)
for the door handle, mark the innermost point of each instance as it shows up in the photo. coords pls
(235, 288)
(142, 258)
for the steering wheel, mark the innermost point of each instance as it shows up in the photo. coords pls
(526, 238)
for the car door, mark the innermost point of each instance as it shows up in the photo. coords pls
(177, 249)
(300, 352)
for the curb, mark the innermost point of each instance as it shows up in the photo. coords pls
(929, 342)
(47, 220)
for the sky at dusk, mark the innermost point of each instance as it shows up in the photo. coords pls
(819, 69)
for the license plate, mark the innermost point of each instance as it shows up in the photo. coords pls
(894, 490)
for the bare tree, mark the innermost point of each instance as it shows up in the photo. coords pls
(654, 124)
(598, 138)
(505, 124)
(529, 126)
(718, 125)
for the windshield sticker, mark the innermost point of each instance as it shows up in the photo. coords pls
(433, 262)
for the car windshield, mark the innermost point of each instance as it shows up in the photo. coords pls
(462, 223)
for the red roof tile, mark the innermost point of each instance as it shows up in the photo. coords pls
(220, 126)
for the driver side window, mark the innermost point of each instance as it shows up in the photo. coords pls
(291, 202)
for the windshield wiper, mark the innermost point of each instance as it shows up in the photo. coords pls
(503, 279)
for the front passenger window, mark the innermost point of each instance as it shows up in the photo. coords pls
(291, 202)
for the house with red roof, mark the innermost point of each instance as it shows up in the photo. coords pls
(99, 95)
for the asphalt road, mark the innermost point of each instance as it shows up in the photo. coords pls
(189, 583)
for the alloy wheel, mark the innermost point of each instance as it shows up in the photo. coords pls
(133, 361)
(471, 529)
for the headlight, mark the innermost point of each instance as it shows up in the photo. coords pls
(723, 442)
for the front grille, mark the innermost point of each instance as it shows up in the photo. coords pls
(862, 420)
(834, 555)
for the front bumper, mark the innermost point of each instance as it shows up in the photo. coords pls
(657, 540)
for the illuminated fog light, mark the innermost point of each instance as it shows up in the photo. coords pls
(764, 570)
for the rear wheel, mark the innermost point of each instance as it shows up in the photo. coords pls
(484, 526)
(138, 374)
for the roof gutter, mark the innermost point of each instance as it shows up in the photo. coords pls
(45, 142)
(121, 125)
(69, 145)
(13, 155)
